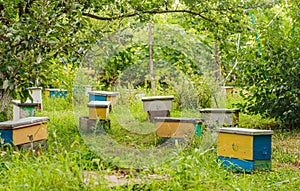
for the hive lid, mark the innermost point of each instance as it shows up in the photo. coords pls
(104, 93)
(22, 121)
(152, 98)
(99, 104)
(18, 103)
(227, 87)
(34, 88)
(244, 131)
(174, 119)
(219, 110)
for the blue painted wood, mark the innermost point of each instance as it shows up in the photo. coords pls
(198, 128)
(6, 136)
(245, 165)
(93, 97)
(237, 164)
(61, 94)
(262, 147)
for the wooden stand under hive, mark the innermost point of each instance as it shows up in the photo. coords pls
(245, 149)
(25, 130)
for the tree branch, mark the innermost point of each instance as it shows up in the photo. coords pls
(146, 12)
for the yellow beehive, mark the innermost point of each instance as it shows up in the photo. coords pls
(25, 130)
(169, 127)
(99, 109)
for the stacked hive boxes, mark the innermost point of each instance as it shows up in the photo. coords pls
(245, 149)
(99, 107)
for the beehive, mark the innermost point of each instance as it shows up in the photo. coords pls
(25, 130)
(55, 93)
(103, 96)
(36, 94)
(245, 149)
(170, 127)
(220, 116)
(157, 106)
(99, 109)
(23, 110)
(227, 89)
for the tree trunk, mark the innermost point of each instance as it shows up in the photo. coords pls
(217, 63)
(151, 58)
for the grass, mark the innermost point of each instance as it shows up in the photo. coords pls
(72, 162)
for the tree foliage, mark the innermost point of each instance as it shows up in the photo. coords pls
(39, 36)
(271, 72)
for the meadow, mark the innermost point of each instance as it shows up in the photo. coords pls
(72, 161)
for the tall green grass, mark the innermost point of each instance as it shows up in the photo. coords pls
(67, 160)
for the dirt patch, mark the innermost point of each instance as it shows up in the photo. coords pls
(118, 178)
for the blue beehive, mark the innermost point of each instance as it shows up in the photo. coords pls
(103, 96)
(52, 93)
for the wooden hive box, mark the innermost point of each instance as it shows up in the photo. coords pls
(170, 127)
(220, 116)
(99, 109)
(36, 94)
(157, 106)
(245, 149)
(227, 89)
(55, 93)
(25, 130)
(103, 96)
(23, 110)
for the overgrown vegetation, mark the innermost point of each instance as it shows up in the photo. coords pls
(197, 46)
(68, 163)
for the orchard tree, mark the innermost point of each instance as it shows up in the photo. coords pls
(270, 68)
(37, 36)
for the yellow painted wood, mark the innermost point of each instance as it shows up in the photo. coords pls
(235, 146)
(113, 99)
(229, 91)
(98, 113)
(37, 131)
(175, 129)
(47, 93)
